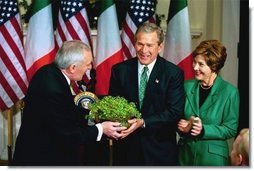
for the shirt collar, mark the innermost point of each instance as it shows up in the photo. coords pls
(67, 78)
(150, 67)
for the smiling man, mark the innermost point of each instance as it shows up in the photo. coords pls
(156, 87)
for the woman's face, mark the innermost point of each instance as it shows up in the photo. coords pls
(202, 71)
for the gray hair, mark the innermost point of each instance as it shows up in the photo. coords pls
(149, 28)
(71, 52)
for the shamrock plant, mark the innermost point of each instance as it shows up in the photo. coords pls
(113, 109)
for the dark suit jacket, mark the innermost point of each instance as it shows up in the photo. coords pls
(51, 129)
(162, 108)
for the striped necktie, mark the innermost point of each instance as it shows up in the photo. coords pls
(74, 88)
(142, 86)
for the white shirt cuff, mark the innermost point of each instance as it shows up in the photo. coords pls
(144, 125)
(100, 131)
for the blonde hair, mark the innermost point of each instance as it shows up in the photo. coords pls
(243, 144)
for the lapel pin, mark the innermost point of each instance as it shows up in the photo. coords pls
(157, 81)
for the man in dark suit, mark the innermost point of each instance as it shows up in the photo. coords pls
(53, 127)
(152, 139)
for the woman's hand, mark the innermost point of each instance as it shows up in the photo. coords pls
(197, 127)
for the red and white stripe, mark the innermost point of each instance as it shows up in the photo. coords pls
(127, 36)
(13, 78)
(76, 28)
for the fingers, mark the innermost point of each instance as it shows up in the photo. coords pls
(115, 124)
(195, 132)
(197, 127)
(129, 130)
(124, 135)
(116, 131)
(116, 135)
(132, 121)
(119, 129)
(121, 134)
(184, 126)
(192, 126)
(181, 129)
(112, 129)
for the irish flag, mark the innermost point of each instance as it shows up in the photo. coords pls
(109, 48)
(39, 45)
(178, 37)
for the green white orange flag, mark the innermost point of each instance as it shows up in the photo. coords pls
(39, 45)
(109, 48)
(178, 37)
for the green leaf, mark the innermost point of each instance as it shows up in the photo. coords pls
(113, 109)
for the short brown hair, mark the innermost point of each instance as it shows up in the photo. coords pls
(148, 27)
(214, 53)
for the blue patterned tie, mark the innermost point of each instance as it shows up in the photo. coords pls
(142, 86)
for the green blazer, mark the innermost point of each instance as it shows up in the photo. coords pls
(219, 116)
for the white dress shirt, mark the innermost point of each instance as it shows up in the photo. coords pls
(140, 70)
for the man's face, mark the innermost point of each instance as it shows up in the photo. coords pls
(82, 67)
(147, 47)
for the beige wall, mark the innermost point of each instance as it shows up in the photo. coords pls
(214, 19)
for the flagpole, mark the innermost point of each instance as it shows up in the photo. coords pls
(110, 152)
(10, 134)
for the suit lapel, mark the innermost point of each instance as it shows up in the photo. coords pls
(193, 98)
(132, 80)
(63, 81)
(153, 81)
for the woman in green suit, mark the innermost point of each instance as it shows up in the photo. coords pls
(211, 110)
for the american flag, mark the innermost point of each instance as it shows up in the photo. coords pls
(140, 11)
(73, 24)
(13, 78)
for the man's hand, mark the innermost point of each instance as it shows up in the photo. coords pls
(135, 124)
(112, 129)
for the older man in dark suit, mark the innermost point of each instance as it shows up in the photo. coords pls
(152, 139)
(51, 130)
